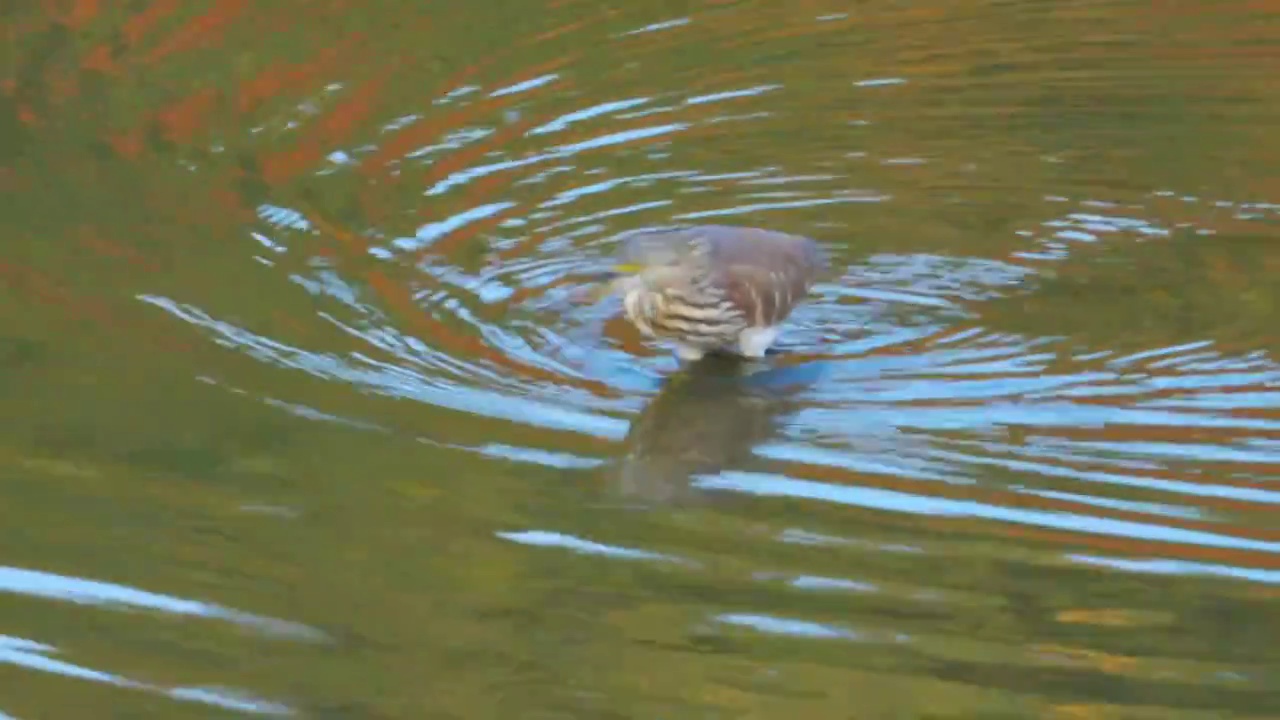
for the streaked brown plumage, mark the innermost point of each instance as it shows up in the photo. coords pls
(712, 288)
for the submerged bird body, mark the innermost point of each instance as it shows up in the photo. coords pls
(714, 288)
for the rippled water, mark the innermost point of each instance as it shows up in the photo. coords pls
(305, 415)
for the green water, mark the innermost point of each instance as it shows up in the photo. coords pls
(301, 417)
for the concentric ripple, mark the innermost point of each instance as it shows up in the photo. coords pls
(1022, 448)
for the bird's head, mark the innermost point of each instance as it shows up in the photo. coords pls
(658, 259)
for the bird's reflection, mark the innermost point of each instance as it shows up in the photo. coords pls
(707, 418)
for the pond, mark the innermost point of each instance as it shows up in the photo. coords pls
(305, 415)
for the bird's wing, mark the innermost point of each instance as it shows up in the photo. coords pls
(766, 273)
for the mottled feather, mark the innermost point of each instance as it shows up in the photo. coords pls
(764, 273)
(715, 286)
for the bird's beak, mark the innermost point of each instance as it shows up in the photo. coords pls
(613, 273)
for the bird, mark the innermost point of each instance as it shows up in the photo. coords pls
(713, 288)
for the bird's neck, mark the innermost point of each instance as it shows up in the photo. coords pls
(641, 306)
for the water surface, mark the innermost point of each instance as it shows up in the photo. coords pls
(302, 417)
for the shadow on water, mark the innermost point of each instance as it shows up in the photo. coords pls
(705, 420)
(301, 416)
